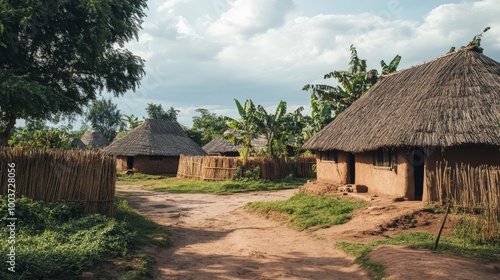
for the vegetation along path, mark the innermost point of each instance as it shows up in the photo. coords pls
(213, 237)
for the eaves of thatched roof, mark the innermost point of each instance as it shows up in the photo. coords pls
(450, 101)
(94, 139)
(155, 138)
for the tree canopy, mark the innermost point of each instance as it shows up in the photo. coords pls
(105, 117)
(57, 56)
(156, 111)
(207, 126)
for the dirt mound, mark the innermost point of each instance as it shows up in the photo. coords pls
(319, 188)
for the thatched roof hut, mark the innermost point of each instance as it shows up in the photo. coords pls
(94, 139)
(77, 143)
(153, 147)
(450, 101)
(155, 138)
(447, 109)
(221, 147)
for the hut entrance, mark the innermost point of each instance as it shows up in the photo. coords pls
(130, 162)
(352, 169)
(417, 159)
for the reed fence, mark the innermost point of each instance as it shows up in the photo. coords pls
(217, 168)
(84, 177)
(472, 190)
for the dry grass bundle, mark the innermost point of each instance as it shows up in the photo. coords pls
(85, 177)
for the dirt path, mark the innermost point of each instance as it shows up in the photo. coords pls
(213, 237)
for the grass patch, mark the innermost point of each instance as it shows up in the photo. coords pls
(303, 211)
(59, 242)
(150, 232)
(174, 185)
(453, 245)
(136, 177)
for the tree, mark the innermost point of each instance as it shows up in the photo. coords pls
(207, 126)
(105, 117)
(55, 56)
(155, 111)
(129, 122)
(244, 129)
(36, 134)
(273, 127)
(352, 84)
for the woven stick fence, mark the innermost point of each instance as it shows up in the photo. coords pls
(469, 189)
(215, 168)
(81, 176)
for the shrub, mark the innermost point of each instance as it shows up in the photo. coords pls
(59, 242)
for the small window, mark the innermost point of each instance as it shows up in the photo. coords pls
(330, 156)
(155, 158)
(385, 158)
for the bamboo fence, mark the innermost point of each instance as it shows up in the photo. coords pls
(217, 168)
(472, 190)
(85, 177)
(465, 186)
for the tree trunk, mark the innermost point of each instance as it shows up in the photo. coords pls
(4, 133)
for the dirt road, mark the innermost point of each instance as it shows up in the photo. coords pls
(213, 237)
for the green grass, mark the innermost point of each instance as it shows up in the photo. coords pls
(59, 242)
(174, 185)
(150, 232)
(453, 245)
(303, 211)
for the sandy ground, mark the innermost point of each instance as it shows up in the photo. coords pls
(213, 237)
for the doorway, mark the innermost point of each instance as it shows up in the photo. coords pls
(352, 169)
(130, 163)
(417, 158)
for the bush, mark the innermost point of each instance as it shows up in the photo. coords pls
(59, 242)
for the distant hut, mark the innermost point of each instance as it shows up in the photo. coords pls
(77, 143)
(444, 109)
(94, 139)
(221, 147)
(154, 147)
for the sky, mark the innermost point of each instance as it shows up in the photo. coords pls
(205, 54)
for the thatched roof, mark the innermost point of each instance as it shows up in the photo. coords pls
(77, 143)
(450, 101)
(94, 139)
(155, 138)
(220, 145)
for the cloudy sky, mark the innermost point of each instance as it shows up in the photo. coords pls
(204, 54)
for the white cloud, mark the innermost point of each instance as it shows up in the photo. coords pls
(248, 17)
(202, 54)
(169, 4)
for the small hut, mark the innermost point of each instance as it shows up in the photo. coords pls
(444, 109)
(94, 139)
(77, 143)
(221, 147)
(154, 147)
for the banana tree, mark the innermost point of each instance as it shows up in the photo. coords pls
(244, 129)
(352, 84)
(273, 128)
